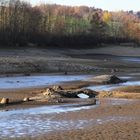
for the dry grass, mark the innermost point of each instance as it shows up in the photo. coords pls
(119, 94)
(132, 89)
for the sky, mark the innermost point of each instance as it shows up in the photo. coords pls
(111, 5)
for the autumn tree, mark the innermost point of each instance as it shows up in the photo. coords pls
(45, 24)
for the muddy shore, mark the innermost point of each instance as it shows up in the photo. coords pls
(112, 119)
(53, 60)
(109, 122)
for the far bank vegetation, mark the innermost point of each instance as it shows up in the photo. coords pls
(46, 25)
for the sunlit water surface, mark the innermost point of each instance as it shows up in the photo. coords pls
(34, 81)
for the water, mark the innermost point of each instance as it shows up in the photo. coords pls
(83, 96)
(113, 86)
(39, 120)
(34, 81)
(131, 59)
(42, 120)
(125, 77)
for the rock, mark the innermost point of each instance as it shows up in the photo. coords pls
(26, 99)
(4, 101)
(65, 73)
(57, 88)
(89, 92)
(106, 79)
(48, 92)
(60, 100)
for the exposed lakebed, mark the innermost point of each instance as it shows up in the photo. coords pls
(39, 120)
(42, 120)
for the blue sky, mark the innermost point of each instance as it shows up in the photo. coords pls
(104, 4)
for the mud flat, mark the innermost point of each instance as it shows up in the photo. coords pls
(53, 60)
(112, 119)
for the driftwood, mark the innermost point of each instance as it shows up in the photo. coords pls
(71, 93)
(75, 93)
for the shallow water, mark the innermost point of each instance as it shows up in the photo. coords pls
(34, 81)
(83, 96)
(42, 120)
(131, 59)
(39, 120)
(113, 86)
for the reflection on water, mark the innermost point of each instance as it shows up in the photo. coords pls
(33, 81)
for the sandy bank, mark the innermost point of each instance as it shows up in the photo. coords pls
(118, 121)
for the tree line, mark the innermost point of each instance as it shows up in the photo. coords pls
(21, 24)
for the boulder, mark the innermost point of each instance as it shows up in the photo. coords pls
(106, 79)
(57, 88)
(48, 92)
(4, 101)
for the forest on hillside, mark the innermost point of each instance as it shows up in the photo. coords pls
(45, 24)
